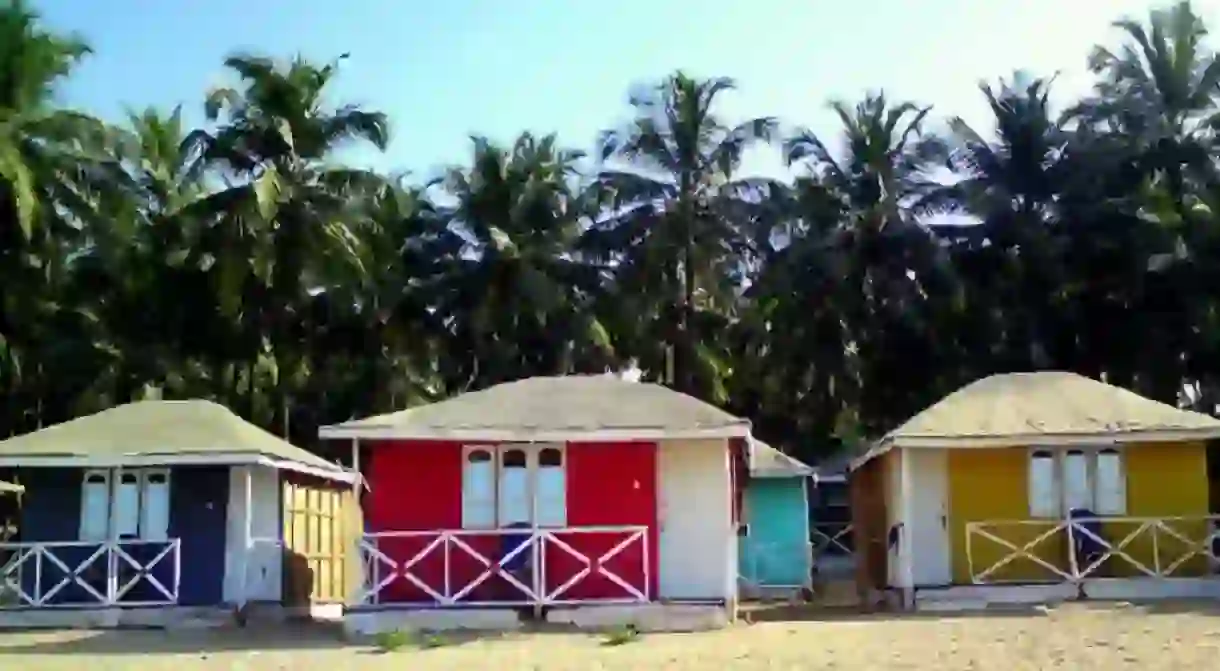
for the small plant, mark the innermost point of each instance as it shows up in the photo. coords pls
(427, 641)
(389, 641)
(621, 636)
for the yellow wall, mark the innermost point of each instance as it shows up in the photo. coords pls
(1163, 480)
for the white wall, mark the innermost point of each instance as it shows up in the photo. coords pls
(698, 550)
(265, 564)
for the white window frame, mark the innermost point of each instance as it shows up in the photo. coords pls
(532, 453)
(1059, 459)
(114, 480)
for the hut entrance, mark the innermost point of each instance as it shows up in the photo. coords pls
(320, 525)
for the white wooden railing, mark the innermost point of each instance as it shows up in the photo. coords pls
(1155, 547)
(445, 584)
(90, 574)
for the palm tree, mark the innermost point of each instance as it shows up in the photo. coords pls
(517, 300)
(675, 215)
(283, 219)
(53, 170)
(856, 208)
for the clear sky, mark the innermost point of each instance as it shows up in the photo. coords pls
(444, 70)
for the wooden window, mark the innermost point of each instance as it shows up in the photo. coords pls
(1077, 485)
(1111, 483)
(125, 503)
(1043, 485)
(95, 506)
(513, 485)
(1077, 479)
(154, 509)
(478, 488)
(552, 489)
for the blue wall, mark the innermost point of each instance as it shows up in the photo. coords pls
(199, 498)
(776, 550)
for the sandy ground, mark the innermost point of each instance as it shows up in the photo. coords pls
(1075, 637)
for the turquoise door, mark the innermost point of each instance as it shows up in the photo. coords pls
(774, 551)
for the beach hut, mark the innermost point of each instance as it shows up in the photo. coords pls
(1037, 487)
(583, 499)
(158, 510)
(774, 553)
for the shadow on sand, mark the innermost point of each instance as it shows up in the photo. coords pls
(256, 637)
(788, 612)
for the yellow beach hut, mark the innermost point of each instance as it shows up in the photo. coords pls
(1038, 487)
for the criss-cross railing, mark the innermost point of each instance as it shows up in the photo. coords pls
(90, 574)
(1017, 551)
(507, 567)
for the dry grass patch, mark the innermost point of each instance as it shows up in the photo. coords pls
(1074, 637)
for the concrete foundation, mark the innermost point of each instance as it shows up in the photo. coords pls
(164, 617)
(653, 617)
(372, 622)
(978, 597)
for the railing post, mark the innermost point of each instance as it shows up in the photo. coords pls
(1073, 565)
(446, 551)
(37, 576)
(969, 551)
(1156, 549)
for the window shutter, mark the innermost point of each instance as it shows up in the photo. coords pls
(95, 506)
(1043, 487)
(1111, 483)
(515, 502)
(1078, 490)
(552, 503)
(154, 514)
(127, 505)
(478, 489)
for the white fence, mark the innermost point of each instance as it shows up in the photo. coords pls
(1083, 548)
(449, 567)
(90, 574)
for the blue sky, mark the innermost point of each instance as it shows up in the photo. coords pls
(444, 70)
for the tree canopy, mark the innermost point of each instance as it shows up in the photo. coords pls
(244, 262)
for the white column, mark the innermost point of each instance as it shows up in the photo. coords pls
(730, 572)
(247, 534)
(906, 539)
(356, 466)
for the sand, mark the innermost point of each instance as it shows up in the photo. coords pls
(1074, 637)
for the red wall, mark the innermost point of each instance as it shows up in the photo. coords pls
(413, 486)
(609, 484)
(417, 486)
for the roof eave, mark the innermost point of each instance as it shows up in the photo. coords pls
(521, 434)
(143, 460)
(1165, 435)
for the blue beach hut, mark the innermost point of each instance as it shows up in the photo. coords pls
(774, 555)
(157, 511)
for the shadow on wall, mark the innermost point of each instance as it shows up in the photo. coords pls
(298, 586)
